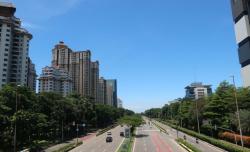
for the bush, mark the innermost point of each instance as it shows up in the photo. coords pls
(219, 143)
(194, 149)
(231, 137)
(37, 145)
(106, 129)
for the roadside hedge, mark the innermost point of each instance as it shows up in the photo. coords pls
(231, 137)
(106, 129)
(188, 145)
(219, 143)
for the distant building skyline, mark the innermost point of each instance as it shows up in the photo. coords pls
(77, 64)
(75, 71)
(139, 41)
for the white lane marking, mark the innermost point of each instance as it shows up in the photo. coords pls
(150, 130)
(119, 145)
(134, 140)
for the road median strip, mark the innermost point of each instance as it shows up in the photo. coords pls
(127, 145)
(159, 127)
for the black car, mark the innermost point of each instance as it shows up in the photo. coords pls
(109, 139)
(122, 134)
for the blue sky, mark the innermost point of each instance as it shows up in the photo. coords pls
(153, 47)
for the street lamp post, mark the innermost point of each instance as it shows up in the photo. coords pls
(197, 117)
(237, 112)
(15, 127)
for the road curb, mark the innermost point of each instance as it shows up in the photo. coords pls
(162, 129)
(185, 147)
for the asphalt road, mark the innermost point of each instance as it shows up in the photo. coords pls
(202, 145)
(98, 144)
(150, 139)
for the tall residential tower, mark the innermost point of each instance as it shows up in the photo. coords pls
(77, 64)
(14, 47)
(241, 9)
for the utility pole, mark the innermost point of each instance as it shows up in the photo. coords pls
(237, 112)
(197, 117)
(15, 127)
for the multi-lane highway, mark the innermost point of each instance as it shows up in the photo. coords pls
(203, 146)
(150, 139)
(98, 144)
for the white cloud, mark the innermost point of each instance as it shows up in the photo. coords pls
(39, 10)
(29, 25)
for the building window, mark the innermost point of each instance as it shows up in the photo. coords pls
(4, 80)
(5, 54)
(6, 44)
(8, 30)
(4, 75)
(8, 25)
(6, 49)
(5, 65)
(5, 59)
(7, 40)
(7, 35)
(4, 69)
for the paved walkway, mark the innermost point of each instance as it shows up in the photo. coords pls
(58, 146)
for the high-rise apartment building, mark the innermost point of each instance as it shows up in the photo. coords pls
(31, 79)
(14, 47)
(94, 79)
(101, 88)
(241, 9)
(55, 80)
(119, 103)
(111, 86)
(197, 90)
(77, 64)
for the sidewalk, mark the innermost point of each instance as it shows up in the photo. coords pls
(58, 146)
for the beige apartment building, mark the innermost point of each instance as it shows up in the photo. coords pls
(14, 47)
(77, 64)
(55, 80)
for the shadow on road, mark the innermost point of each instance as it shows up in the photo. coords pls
(141, 136)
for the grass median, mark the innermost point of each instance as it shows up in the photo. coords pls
(127, 145)
(187, 145)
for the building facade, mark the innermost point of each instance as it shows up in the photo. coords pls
(241, 9)
(94, 79)
(119, 103)
(197, 90)
(111, 86)
(14, 47)
(77, 64)
(102, 91)
(32, 76)
(55, 80)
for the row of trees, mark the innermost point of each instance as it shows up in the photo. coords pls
(215, 113)
(49, 116)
